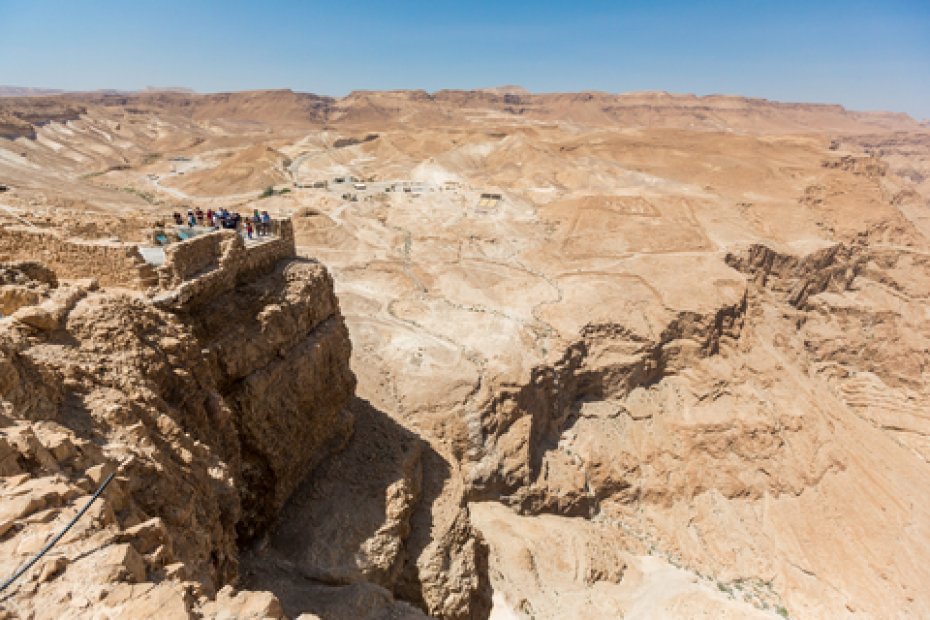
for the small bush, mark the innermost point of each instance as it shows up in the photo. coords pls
(267, 192)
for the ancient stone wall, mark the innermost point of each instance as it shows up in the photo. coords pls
(110, 263)
(199, 269)
(208, 263)
(193, 256)
(262, 257)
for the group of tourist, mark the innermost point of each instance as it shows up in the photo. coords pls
(257, 224)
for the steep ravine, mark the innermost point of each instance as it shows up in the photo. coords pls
(736, 446)
(522, 425)
(215, 405)
(648, 442)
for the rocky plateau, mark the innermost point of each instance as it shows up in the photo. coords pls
(506, 356)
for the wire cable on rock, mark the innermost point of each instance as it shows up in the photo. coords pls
(22, 569)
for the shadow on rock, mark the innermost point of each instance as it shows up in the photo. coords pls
(355, 533)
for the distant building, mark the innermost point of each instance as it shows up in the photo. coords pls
(487, 201)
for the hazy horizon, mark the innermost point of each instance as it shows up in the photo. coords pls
(186, 89)
(855, 54)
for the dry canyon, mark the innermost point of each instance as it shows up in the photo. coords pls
(504, 355)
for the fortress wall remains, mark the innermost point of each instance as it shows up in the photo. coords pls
(185, 259)
(194, 270)
(262, 257)
(233, 262)
(110, 263)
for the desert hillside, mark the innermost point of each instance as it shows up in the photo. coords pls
(500, 355)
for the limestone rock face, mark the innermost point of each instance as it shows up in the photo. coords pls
(283, 368)
(374, 520)
(111, 382)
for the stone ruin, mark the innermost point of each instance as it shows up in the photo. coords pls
(210, 385)
(213, 257)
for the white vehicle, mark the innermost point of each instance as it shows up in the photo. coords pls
(360, 186)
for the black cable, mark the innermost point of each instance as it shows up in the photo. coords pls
(52, 542)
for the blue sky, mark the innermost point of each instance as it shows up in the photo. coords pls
(865, 55)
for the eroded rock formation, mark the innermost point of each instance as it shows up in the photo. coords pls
(211, 418)
(642, 356)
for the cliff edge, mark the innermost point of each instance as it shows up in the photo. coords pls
(211, 399)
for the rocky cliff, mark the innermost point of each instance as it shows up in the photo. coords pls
(211, 414)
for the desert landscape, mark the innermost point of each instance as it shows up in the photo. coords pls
(505, 355)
